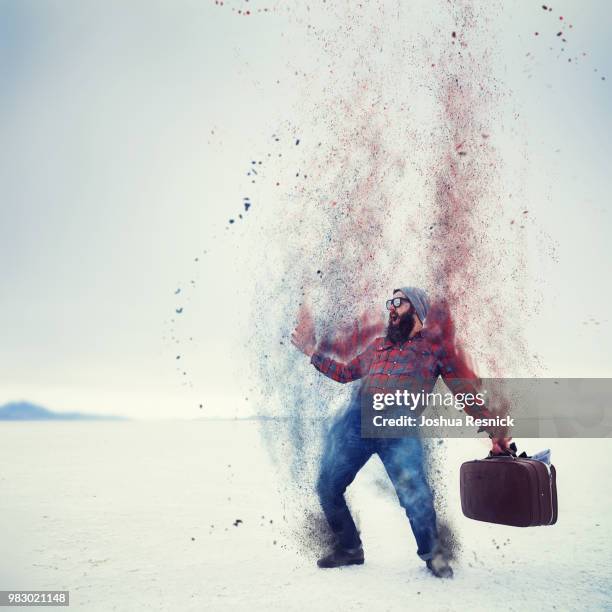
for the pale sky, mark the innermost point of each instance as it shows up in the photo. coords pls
(128, 130)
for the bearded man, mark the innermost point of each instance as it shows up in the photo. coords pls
(408, 353)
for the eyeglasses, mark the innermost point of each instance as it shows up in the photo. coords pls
(396, 302)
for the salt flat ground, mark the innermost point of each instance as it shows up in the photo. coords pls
(140, 516)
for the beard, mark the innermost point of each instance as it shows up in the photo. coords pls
(401, 332)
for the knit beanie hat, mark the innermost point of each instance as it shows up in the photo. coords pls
(418, 298)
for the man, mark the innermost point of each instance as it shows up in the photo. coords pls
(408, 352)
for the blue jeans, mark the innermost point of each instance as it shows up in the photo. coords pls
(346, 452)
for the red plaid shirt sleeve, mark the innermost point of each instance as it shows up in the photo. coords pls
(344, 372)
(460, 378)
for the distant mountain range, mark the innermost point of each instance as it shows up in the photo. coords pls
(25, 411)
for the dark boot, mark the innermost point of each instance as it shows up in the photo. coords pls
(439, 566)
(341, 556)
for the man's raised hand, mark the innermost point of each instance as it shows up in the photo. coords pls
(303, 337)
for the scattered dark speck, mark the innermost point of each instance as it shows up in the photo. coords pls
(454, 34)
(179, 310)
(231, 221)
(193, 539)
(237, 522)
(178, 356)
(297, 142)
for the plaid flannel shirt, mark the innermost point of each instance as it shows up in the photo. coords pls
(414, 364)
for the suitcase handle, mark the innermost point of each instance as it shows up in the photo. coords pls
(500, 457)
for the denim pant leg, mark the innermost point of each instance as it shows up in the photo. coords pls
(403, 460)
(344, 454)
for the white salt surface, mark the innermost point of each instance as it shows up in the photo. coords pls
(108, 511)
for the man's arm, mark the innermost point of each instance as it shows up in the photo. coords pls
(457, 372)
(304, 339)
(342, 372)
(459, 377)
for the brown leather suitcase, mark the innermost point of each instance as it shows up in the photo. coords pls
(509, 491)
